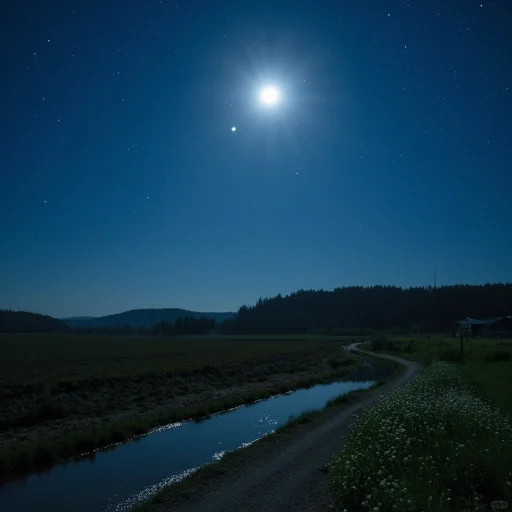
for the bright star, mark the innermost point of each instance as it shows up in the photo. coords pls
(233, 128)
(270, 95)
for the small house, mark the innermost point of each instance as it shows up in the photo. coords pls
(499, 327)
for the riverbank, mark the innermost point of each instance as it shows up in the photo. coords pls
(280, 471)
(205, 390)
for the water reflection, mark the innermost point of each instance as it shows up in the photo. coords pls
(116, 479)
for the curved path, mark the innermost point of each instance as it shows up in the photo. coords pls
(284, 476)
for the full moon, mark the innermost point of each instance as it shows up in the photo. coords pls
(270, 95)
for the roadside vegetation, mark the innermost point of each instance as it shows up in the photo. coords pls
(66, 395)
(433, 445)
(486, 362)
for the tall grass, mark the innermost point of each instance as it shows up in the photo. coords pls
(432, 445)
(428, 349)
(487, 362)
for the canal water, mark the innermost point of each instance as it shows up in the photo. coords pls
(116, 479)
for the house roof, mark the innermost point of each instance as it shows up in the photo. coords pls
(474, 321)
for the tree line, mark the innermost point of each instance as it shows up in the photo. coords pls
(23, 321)
(349, 310)
(356, 308)
(185, 325)
(26, 322)
(188, 325)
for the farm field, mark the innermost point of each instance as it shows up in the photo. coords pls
(45, 359)
(77, 392)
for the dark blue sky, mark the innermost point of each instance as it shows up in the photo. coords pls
(123, 185)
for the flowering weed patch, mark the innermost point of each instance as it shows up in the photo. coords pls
(432, 445)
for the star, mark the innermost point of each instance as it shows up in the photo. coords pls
(233, 128)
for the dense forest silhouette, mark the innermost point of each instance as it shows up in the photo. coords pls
(186, 325)
(356, 308)
(349, 310)
(23, 321)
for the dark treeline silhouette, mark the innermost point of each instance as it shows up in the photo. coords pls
(185, 325)
(119, 330)
(141, 317)
(181, 326)
(350, 310)
(193, 325)
(378, 307)
(23, 321)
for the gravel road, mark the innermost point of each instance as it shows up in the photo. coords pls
(285, 476)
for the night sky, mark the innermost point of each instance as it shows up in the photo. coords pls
(123, 184)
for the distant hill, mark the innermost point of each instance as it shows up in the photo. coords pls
(76, 318)
(142, 317)
(25, 322)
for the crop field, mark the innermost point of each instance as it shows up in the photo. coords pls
(36, 359)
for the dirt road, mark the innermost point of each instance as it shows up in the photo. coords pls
(284, 476)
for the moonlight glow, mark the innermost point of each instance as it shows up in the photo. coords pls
(270, 95)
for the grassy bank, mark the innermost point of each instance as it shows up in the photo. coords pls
(433, 445)
(318, 362)
(71, 380)
(486, 362)
(312, 415)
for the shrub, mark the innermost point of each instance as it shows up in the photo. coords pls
(409, 348)
(498, 355)
(381, 343)
(338, 363)
(449, 354)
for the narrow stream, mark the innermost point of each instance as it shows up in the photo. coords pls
(117, 479)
